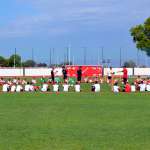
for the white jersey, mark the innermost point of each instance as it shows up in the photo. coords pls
(27, 88)
(109, 73)
(77, 88)
(66, 87)
(44, 87)
(142, 87)
(148, 87)
(5, 87)
(133, 89)
(18, 88)
(115, 88)
(97, 87)
(13, 88)
(31, 88)
(55, 87)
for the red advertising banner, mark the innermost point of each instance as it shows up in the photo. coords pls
(87, 71)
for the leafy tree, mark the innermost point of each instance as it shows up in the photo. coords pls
(29, 63)
(130, 64)
(3, 62)
(6, 63)
(17, 61)
(141, 36)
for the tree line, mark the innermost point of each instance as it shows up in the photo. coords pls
(15, 61)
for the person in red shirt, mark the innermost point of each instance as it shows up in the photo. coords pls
(127, 88)
(125, 75)
(148, 81)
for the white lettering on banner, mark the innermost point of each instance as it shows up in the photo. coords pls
(141, 71)
(117, 71)
(10, 72)
(42, 71)
(37, 72)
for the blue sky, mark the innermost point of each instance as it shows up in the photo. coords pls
(45, 24)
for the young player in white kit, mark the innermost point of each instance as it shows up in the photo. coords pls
(77, 87)
(5, 87)
(13, 88)
(65, 87)
(116, 88)
(96, 87)
(55, 87)
(44, 87)
(110, 75)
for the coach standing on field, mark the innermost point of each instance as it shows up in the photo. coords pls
(125, 74)
(64, 72)
(79, 74)
(52, 75)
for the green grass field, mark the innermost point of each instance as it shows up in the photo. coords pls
(75, 121)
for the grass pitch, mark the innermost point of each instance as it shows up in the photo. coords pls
(75, 121)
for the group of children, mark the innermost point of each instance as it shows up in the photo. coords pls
(139, 84)
(18, 85)
(22, 85)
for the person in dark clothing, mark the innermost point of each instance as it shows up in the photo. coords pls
(64, 71)
(52, 75)
(79, 74)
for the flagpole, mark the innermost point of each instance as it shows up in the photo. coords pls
(15, 59)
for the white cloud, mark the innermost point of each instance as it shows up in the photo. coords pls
(59, 16)
(32, 25)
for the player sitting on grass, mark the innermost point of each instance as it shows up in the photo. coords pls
(65, 87)
(133, 87)
(32, 89)
(27, 87)
(5, 87)
(137, 82)
(19, 88)
(44, 87)
(96, 87)
(142, 86)
(55, 87)
(148, 85)
(77, 87)
(127, 87)
(116, 88)
(13, 87)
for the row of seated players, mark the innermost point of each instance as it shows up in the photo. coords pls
(18, 85)
(30, 87)
(142, 86)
